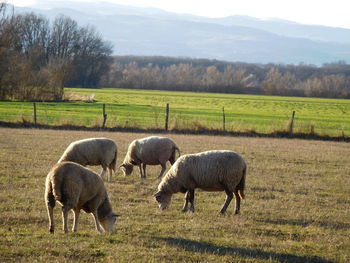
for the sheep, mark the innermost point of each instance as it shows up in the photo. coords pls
(76, 187)
(151, 150)
(93, 151)
(219, 170)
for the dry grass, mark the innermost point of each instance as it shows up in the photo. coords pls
(296, 208)
(73, 96)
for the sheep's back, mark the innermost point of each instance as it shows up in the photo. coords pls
(74, 183)
(153, 148)
(89, 151)
(212, 170)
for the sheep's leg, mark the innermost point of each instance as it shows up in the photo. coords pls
(141, 172)
(229, 197)
(50, 213)
(97, 222)
(103, 172)
(144, 170)
(110, 174)
(192, 200)
(65, 211)
(111, 167)
(189, 199)
(76, 217)
(238, 202)
(50, 204)
(163, 169)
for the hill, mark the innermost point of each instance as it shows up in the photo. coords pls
(149, 31)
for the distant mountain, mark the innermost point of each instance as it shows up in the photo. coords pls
(290, 29)
(151, 31)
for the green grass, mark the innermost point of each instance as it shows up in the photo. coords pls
(296, 208)
(188, 110)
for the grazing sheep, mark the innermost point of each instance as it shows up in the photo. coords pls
(93, 151)
(209, 171)
(151, 150)
(76, 187)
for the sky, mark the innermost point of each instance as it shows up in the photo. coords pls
(335, 13)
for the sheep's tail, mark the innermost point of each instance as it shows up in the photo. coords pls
(241, 185)
(49, 195)
(173, 154)
(113, 164)
(176, 149)
(56, 184)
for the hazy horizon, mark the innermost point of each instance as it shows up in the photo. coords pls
(334, 13)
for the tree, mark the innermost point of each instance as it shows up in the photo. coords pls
(37, 61)
(276, 83)
(92, 58)
(334, 86)
(233, 80)
(64, 38)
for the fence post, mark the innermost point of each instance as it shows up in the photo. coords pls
(223, 119)
(104, 116)
(166, 116)
(291, 124)
(34, 106)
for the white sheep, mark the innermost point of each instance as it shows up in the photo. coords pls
(93, 151)
(153, 150)
(209, 171)
(76, 187)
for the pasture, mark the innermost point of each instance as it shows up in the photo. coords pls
(145, 109)
(296, 207)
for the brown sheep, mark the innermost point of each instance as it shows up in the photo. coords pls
(151, 150)
(209, 171)
(76, 187)
(93, 151)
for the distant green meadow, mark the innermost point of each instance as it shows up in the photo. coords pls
(145, 109)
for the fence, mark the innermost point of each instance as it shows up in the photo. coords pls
(165, 117)
(97, 116)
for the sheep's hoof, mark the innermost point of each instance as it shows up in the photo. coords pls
(184, 210)
(52, 230)
(223, 212)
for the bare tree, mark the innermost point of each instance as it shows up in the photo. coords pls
(64, 38)
(36, 61)
(91, 59)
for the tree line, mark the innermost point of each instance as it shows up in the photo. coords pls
(39, 58)
(331, 80)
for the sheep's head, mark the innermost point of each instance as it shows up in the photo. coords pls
(126, 168)
(163, 199)
(108, 223)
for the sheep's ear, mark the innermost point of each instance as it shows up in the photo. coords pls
(116, 215)
(157, 196)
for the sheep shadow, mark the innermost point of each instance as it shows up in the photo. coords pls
(304, 223)
(205, 247)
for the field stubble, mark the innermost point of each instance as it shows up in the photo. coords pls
(296, 207)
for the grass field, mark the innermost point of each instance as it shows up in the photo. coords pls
(146, 109)
(296, 207)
